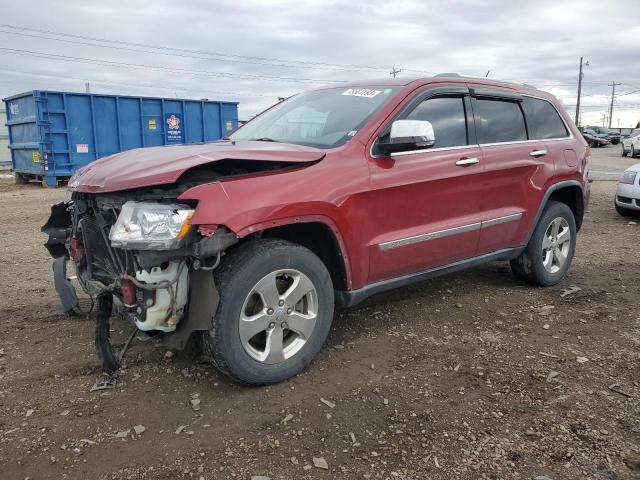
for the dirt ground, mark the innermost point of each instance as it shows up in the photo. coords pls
(469, 376)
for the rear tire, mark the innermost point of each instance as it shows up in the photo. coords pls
(261, 334)
(548, 255)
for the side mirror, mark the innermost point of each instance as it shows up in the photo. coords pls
(408, 135)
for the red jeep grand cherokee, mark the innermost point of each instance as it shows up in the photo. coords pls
(322, 200)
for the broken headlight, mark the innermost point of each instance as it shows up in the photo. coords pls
(151, 226)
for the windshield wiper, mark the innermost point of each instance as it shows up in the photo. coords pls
(264, 139)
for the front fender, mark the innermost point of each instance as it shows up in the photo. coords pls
(251, 204)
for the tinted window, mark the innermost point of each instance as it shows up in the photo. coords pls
(499, 121)
(543, 120)
(446, 114)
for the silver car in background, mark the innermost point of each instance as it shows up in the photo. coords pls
(628, 193)
(631, 144)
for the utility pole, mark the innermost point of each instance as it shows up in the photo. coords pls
(87, 88)
(394, 72)
(613, 92)
(579, 92)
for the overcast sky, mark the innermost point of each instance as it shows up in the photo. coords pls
(253, 52)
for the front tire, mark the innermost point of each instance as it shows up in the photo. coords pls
(548, 255)
(275, 312)
(632, 152)
(624, 152)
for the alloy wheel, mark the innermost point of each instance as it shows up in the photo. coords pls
(556, 244)
(278, 316)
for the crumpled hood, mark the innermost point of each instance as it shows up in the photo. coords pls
(145, 167)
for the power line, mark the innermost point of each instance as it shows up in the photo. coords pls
(91, 61)
(139, 85)
(280, 61)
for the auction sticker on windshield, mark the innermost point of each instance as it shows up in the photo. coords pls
(361, 92)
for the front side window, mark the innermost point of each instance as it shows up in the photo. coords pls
(447, 116)
(543, 120)
(321, 118)
(499, 121)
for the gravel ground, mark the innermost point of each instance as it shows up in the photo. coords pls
(469, 376)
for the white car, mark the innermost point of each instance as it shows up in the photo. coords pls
(628, 194)
(631, 144)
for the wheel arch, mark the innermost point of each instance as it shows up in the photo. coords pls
(317, 233)
(569, 192)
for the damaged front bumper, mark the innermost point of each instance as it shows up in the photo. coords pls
(170, 291)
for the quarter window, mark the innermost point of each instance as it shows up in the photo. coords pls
(499, 121)
(447, 117)
(543, 120)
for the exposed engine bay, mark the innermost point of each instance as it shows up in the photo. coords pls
(144, 253)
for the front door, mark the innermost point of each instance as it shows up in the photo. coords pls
(427, 201)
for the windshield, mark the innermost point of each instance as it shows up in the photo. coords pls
(321, 118)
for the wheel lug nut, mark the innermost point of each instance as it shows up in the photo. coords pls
(272, 325)
(284, 325)
(270, 311)
(281, 302)
(289, 311)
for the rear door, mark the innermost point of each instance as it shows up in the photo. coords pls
(515, 168)
(427, 201)
(546, 125)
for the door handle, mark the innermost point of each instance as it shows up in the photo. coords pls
(538, 153)
(465, 162)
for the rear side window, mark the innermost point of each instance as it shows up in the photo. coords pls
(543, 120)
(499, 121)
(447, 117)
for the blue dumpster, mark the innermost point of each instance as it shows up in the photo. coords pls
(53, 134)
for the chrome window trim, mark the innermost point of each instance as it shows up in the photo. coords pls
(425, 150)
(425, 237)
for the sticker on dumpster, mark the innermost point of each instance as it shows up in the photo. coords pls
(36, 157)
(14, 108)
(152, 124)
(229, 125)
(174, 127)
(82, 148)
(361, 92)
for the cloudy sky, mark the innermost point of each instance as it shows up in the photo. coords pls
(254, 52)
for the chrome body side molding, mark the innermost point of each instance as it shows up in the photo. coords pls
(425, 237)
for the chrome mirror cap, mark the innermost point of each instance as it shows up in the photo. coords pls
(418, 133)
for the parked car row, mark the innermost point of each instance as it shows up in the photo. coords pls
(595, 139)
(607, 133)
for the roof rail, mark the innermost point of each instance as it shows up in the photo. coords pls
(447, 75)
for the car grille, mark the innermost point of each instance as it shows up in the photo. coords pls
(99, 260)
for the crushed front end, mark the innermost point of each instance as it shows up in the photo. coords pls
(140, 250)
